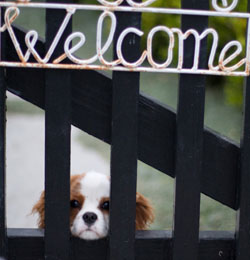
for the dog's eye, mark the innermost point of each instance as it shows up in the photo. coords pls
(105, 205)
(74, 204)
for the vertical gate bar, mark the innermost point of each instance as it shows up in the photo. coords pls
(124, 146)
(3, 225)
(3, 236)
(57, 145)
(243, 213)
(189, 143)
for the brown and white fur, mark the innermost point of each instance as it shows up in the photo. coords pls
(89, 211)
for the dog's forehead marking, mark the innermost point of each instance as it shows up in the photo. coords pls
(95, 185)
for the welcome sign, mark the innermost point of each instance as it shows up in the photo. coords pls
(224, 65)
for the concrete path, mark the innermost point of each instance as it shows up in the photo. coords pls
(25, 165)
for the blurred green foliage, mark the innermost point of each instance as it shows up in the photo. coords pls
(228, 29)
(150, 20)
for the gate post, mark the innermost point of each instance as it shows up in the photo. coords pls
(57, 145)
(189, 144)
(124, 146)
(3, 225)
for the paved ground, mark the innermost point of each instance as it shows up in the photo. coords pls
(25, 165)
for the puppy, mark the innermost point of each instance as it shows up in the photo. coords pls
(89, 207)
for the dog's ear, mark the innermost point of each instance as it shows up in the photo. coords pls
(39, 208)
(144, 212)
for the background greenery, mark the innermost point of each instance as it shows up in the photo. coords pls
(223, 108)
(228, 29)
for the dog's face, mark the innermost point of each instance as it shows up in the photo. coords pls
(89, 207)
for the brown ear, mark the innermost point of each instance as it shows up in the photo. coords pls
(144, 212)
(39, 208)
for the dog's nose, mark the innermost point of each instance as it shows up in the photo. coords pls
(89, 218)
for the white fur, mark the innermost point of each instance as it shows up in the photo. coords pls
(94, 186)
